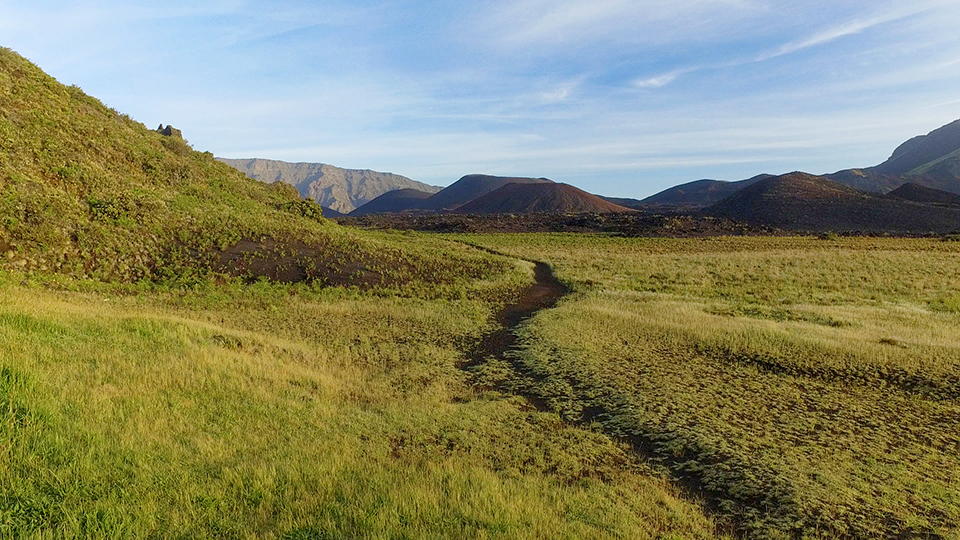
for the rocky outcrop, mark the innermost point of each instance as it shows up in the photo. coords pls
(170, 131)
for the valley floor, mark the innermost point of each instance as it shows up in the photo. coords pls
(684, 388)
(287, 411)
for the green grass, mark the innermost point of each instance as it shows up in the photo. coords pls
(277, 411)
(149, 389)
(808, 390)
(925, 168)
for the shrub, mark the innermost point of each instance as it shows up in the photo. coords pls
(307, 208)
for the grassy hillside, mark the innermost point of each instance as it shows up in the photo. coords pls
(808, 388)
(89, 192)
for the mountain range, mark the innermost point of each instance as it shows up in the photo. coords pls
(931, 160)
(342, 190)
(921, 174)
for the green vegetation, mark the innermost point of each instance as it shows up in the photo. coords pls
(289, 411)
(808, 389)
(187, 353)
(926, 167)
(88, 192)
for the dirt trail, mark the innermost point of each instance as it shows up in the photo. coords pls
(544, 293)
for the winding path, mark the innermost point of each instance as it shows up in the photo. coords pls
(544, 293)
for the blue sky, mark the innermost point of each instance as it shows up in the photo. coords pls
(618, 97)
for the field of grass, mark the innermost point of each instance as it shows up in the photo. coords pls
(188, 353)
(807, 388)
(296, 412)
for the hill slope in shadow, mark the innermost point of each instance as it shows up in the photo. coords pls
(700, 192)
(923, 194)
(804, 202)
(396, 201)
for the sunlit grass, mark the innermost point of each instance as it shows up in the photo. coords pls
(258, 413)
(809, 388)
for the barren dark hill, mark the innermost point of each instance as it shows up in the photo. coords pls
(803, 202)
(543, 198)
(635, 204)
(472, 186)
(333, 187)
(700, 192)
(398, 200)
(923, 194)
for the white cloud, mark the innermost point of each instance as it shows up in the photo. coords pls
(838, 32)
(658, 81)
(560, 93)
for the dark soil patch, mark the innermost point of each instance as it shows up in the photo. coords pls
(294, 262)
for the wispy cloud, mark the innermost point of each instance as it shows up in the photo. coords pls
(660, 81)
(561, 93)
(837, 32)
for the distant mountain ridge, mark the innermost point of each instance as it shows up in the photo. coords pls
(336, 188)
(449, 199)
(917, 153)
(931, 160)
